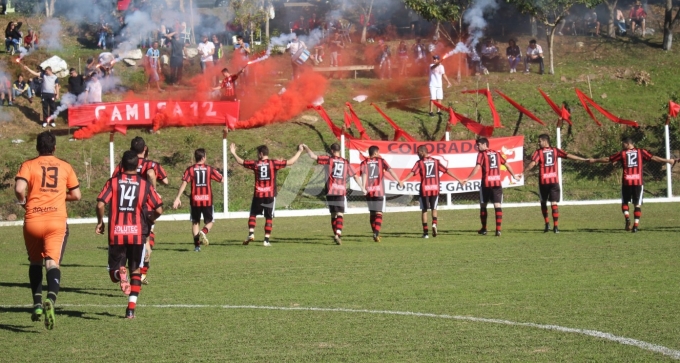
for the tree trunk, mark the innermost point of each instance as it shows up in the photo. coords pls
(181, 6)
(534, 27)
(611, 26)
(367, 18)
(551, 38)
(668, 26)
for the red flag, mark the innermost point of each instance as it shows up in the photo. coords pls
(334, 129)
(121, 129)
(586, 101)
(347, 119)
(564, 113)
(556, 109)
(489, 100)
(453, 120)
(398, 131)
(357, 123)
(673, 109)
(474, 126)
(520, 108)
(231, 122)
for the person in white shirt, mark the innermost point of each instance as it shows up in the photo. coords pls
(436, 90)
(93, 92)
(534, 54)
(490, 56)
(206, 49)
(296, 46)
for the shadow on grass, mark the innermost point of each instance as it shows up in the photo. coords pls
(325, 144)
(18, 328)
(381, 134)
(85, 291)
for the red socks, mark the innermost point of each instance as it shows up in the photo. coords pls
(268, 227)
(499, 218)
(482, 217)
(555, 215)
(544, 210)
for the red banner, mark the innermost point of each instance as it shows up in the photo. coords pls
(520, 108)
(673, 109)
(119, 115)
(474, 126)
(459, 156)
(489, 100)
(562, 113)
(398, 131)
(585, 101)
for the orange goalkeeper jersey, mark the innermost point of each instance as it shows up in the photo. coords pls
(49, 179)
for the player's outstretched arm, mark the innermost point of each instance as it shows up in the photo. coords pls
(662, 160)
(310, 152)
(99, 229)
(453, 176)
(574, 157)
(516, 177)
(73, 195)
(599, 160)
(295, 157)
(232, 148)
(20, 191)
(474, 172)
(151, 177)
(360, 183)
(408, 176)
(156, 213)
(178, 203)
(531, 165)
(393, 174)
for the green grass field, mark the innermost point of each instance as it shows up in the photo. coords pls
(211, 306)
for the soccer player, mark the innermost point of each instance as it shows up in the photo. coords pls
(129, 196)
(490, 162)
(337, 170)
(43, 186)
(264, 195)
(428, 169)
(372, 171)
(200, 176)
(548, 183)
(228, 85)
(162, 177)
(631, 159)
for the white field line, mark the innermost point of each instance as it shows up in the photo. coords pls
(673, 353)
(362, 210)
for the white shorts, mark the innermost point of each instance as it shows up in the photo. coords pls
(436, 93)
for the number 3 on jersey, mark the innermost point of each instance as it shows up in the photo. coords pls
(493, 161)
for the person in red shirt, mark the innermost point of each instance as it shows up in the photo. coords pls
(129, 196)
(227, 86)
(637, 16)
(199, 176)
(548, 182)
(264, 195)
(372, 171)
(490, 161)
(632, 159)
(338, 171)
(428, 169)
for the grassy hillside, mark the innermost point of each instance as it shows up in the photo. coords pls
(605, 67)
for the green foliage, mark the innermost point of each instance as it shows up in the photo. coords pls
(28, 6)
(249, 14)
(550, 12)
(437, 10)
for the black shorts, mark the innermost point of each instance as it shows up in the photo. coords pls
(549, 192)
(120, 254)
(376, 204)
(430, 202)
(263, 206)
(638, 21)
(336, 203)
(207, 213)
(632, 193)
(491, 195)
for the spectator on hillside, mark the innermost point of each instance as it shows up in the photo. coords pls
(93, 92)
(419, 58)
(206, 49)
(335, 45)
(153, 64)
(436, 86)
(313, 23)
(217, 55)
(490, 56)
(620, 21)
(319, 53)
(402, 54)
(474, 61)
(592, 22)
(76, 84)
(13, 37)
(243, 50)
(177, 56)
(296, 46)
(31, 40)
(48, 94)
(384, 61)
(435, 47)
(299, 26)
(391, 31)
(104, 30)
(637, 17)
(20, 87)
(570, 21)
(5, 90)
(534, 54)
(514, 55)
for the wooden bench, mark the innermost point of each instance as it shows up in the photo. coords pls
(345, 68)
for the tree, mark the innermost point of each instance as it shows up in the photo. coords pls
(366, 8)
(249, 14)
(611, 27)
(669, 23)
(441, 11)
(550, 13)
(49, 8)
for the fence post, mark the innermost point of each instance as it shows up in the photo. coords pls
(448, 195)
(559, 162)
(112, 164)
(226, 172)
(669, 181)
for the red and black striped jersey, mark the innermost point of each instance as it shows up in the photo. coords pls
(143, 166)
(631, 160)
(338, 170)
(490, 161)
(158, 168)
(546, 158)
(129, 195)
(200, 177)
(428, 169)
(227, 86)
(265, 175)
(373, 169)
